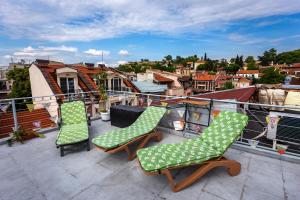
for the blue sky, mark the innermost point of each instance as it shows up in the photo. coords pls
(74, 31)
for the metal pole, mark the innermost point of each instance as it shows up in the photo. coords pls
(16, 127)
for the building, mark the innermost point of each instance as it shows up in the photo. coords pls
(240, 82)
(248, 73)
(194, 65)
(157, 77)
(55, 78)
(5, 85)
(209, 83)
(293, 69)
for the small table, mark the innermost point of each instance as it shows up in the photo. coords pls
(123, 116)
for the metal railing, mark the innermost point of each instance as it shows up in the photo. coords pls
(187, 116)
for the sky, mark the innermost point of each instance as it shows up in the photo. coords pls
(75, 31)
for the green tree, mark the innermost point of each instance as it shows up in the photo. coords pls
(21, 83)
(232, 68)
(268, 57)
(223, 63)
(252, 66)
(289, 57)
(228, 85)
(250, 59)
(271, 76)
(168, 59)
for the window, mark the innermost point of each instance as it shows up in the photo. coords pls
(116, 84)
(67, 85)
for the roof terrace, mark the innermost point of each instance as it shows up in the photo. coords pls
(35, 170)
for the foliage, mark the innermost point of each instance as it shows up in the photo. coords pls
(271, 76)
(289, 57)
(193, 58)
(20, 135)
(134, 67)
(209, 65)
(223, 63)
(212, 72)
(101, 77)
(250, 59)
(164, 68)
(252, 66)
(21, 83)
(232, 68)
(228, 85)
(205, 56)
(268, 57)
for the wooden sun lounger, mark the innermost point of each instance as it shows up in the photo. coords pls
(142, 140)
(233, 168)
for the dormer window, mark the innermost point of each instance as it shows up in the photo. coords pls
(67, 85)
(116, 84)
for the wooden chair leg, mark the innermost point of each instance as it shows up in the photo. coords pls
(233, 169)
(156, 135)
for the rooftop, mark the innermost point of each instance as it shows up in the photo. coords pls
(248, 72)
(98, 175)
(148, 86)
(240, 94)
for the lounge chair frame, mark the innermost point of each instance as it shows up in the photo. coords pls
(143, 140)
(233, 168)
(60, 123)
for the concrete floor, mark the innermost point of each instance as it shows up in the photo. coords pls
(36, 171)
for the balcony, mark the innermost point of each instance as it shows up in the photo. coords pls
(35, 170)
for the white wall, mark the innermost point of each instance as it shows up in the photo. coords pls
(40, 87)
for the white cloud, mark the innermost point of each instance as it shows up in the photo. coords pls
(43, 52)
(77, 20)
(121, 62)
(123, 52)
(94, 52)
(61, 48)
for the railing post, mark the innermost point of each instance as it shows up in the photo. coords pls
(16, 126)
(148, 100)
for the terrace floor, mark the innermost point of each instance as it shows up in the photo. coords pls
(36, 171)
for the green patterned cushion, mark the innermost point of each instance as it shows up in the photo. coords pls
(146, 122)
(72, 133)
(212, 143)
(74, 127)
(73, 112)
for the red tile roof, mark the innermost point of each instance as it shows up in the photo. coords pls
(204, 77)
(162, 79)
(85, 75)
(241, 94)
(25, 120)
(248, 72)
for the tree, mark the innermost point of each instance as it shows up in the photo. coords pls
(268, 57)
(21, 83)
(239, 61)
(168, 59)
(289, 57)
(228, 85)
(223, 63)
(252, 66)
(232, 68)
(250, 59)
(271, 76)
